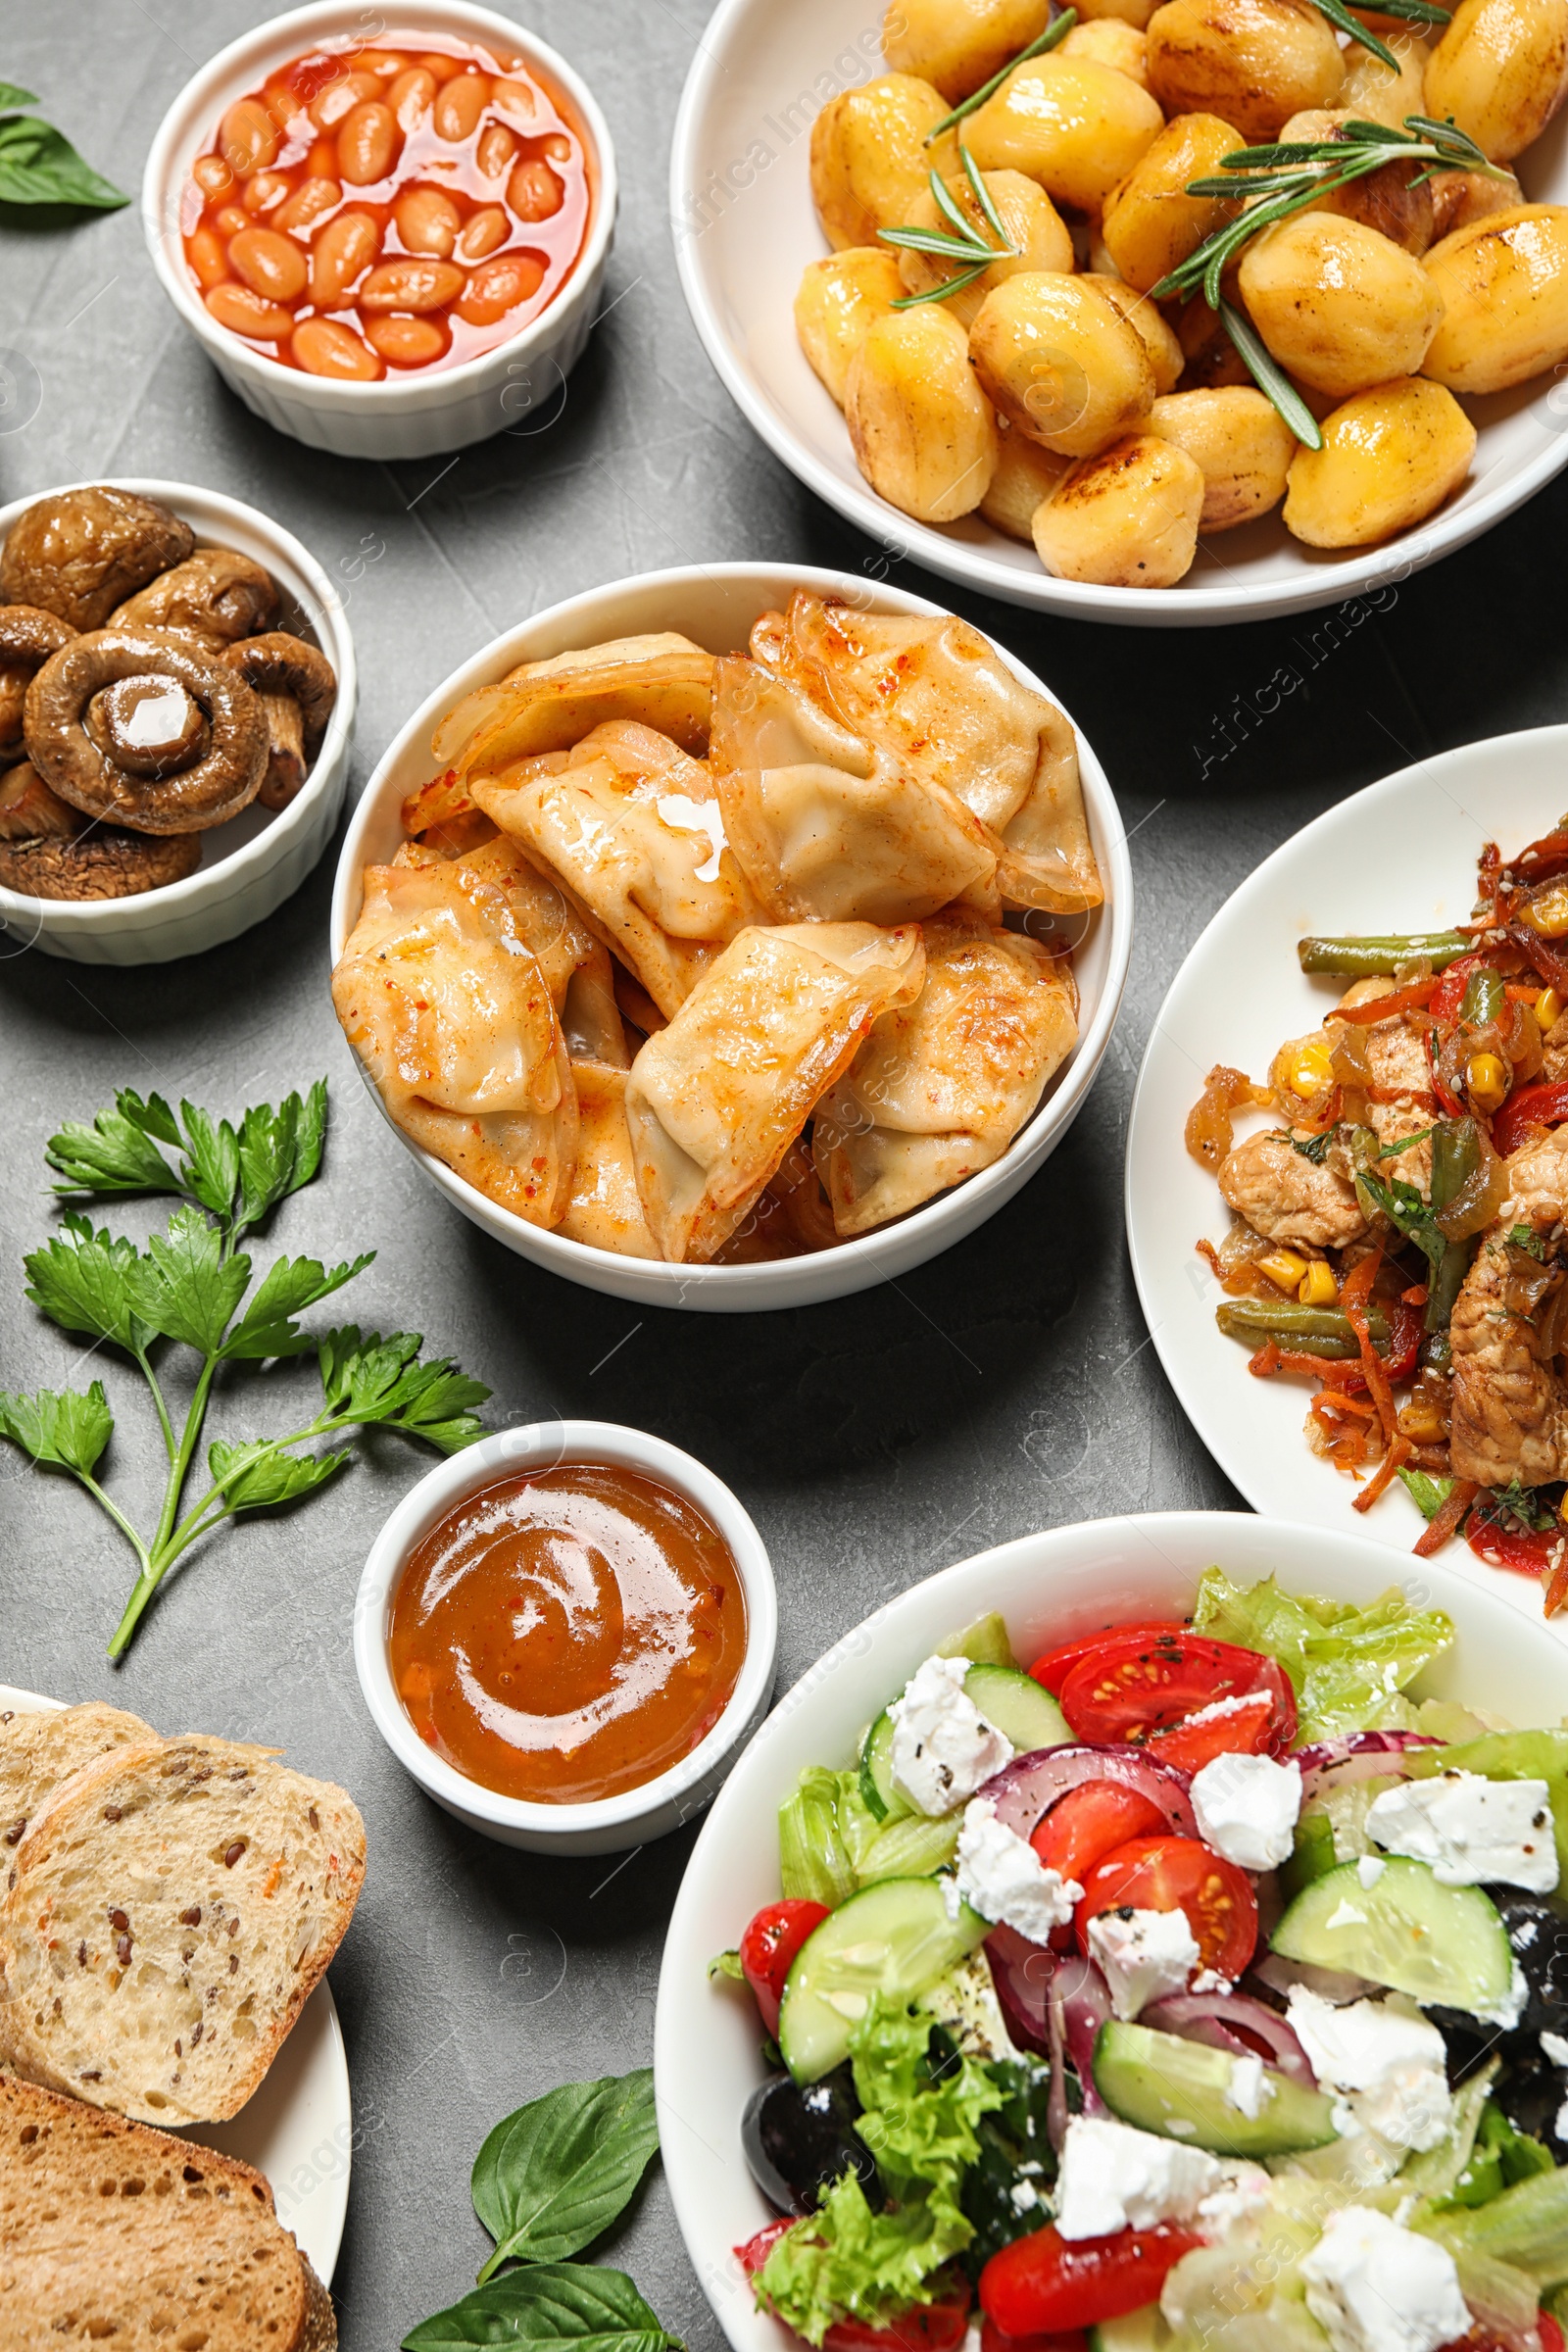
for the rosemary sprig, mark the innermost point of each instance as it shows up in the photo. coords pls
(1054, 33)
(965, 245)
(1269, 378)
(1340, 17)
(1416, 12)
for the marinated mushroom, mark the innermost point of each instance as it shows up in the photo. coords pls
(216, 594)
(80, 552)
(28, 637)
(297, 687)
(139, 757)
(49, 850)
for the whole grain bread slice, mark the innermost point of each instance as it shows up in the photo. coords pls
(168, 1916)
(39, 1751)
(112, 2231)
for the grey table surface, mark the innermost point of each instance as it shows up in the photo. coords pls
(1008, 1387)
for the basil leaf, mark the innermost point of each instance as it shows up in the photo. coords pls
(40, 165)
(550, 2176)
(10, 96)
(551, 2304)
(66, 1431)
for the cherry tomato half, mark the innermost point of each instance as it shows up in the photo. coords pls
(925, 2328)
(1054, 1667)
(768, 1946)
(1046, 2286)
(1091, 1820)
(1143, 1683)
(1178, 1874)
(755, 2251)
(1247, 1730)
(1076, 2339)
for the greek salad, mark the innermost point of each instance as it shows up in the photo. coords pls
(1201, 1985)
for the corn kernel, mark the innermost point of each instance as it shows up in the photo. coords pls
(1548, 913)
(1420, 1420)
(1562, 1510)
(1549, 1009)
(1283, 1269)
(1486, 1081)
(1306, 1070)
(1318, 1286)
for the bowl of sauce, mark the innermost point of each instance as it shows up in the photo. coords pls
(567, 1633)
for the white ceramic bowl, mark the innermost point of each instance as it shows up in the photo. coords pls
(613, 1823)
(745, 229)
(407, 417)
(1048, 1587)
(259, 859)
(716, 605)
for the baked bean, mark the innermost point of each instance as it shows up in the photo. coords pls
(557, 146)
(328, 107)
(496, 149)
(497, 287)
(412, 96)
(481, 233)
(310, 200)
(204, 249)
(248, 138)
(408, 342)
(265, 190)
(517, 101)
(271, 264)
(321, 162)
(230, 220)
(533, 191)
(347, 245)
(412, 286)
(245, 314)
(441, 67)
(460, 104)
(323, 348)
(368, 143)
(427, 221)
(212, 175)
(385, 63)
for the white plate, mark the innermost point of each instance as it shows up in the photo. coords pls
(1049, 1588)
(745, 229)
(298, 2129)
(1399, 856)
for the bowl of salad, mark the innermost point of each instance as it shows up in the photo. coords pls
(1144, 1936)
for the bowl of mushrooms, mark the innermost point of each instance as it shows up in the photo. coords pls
(177, 705)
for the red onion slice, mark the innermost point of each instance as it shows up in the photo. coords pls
(1085, 2007)
(1359, 1756)
(1024, 1791)
(1333, 1984)
(1022, 1973)
(1234, 2022)
(1053, 2002)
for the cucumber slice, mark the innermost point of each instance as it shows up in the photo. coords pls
(1312, 1856)
(893, 1937)
(877, 1773)
(1438, 1943)
(1011, 1700)
(1179, 2088)
(1145, 2331)
(985, 1642)
(910, 1847)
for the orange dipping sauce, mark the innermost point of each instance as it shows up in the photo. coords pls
(567, 1633)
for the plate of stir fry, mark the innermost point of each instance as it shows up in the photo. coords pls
(1348, 1169)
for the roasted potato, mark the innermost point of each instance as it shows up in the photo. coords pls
(1129, 12)
(1032, 223)
(1213, 360)
(1503, 285)
(1075, 125)
(1337, 304)
(1026, 475)
(1125, 518)
(924, 436)
(1254, 63)
(868, 157)
(1111, 41)
(1151, 223)
(1375, 95)
(1460, 197)
(1501, 70)
(1396, 201)
(1165, 352)
(1389, 457)
(1240, 444)
(1061, 362)
(957, 44)
(839, 298)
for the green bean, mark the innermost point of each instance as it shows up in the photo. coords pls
(1314, 1329)
(1482, 999)
(1371, 958)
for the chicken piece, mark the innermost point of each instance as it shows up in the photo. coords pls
(1397, 1060)
(1285, 1197)
(1554, 1051)
(1510, 1402)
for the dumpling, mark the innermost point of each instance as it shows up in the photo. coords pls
(445, 1003)
(942, 1086)
(605, 1210)
(940, 697)
(790, 1217)
(442, 818)
(665, 681)
(715, 1099)
(829, 827)
(630, 828)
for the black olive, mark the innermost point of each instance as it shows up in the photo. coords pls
(798, 2140)
(1538, 1935)
(1530, 2094)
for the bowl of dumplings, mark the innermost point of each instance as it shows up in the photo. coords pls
(733, 938)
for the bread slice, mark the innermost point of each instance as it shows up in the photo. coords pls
(112, 2231)
(39, 1752)
(171, 1911)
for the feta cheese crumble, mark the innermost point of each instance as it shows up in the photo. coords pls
(1115, 2177)
(943, 1747)
(1472, 1831)
(1555, 2049)
(1142, 1954)
(1247, 1809)
(1369, 1869)
(1002, 1877)
(1375, 2287)
(1384, 2059)
(1248, 2087)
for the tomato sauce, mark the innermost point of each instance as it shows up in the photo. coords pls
(568, 1633)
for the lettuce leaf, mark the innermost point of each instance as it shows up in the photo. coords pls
(1346, 1663)
(920, 2123)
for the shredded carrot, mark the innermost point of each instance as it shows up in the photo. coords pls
(1354, 1291)
(1338, 1401)
(1556, 1592)
(1521, 995)
(1415, 1295)
(1335, 1372)
(1445, 1522)
(1208, 1250)
(1393, 1461)
(1265, 1361)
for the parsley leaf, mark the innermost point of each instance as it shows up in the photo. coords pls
(1428, 1493)
(1401, 1204)
(209, 1169)
(257, 1475)
(1526, 1238)
(279, 1150)
(1317, 1146)
(83, 1281)
(118, 1153)
(381, 1382)
(1522, 1502)
(184, 1288)
(65, 1431)
(1405, 1142)
(289, 1285)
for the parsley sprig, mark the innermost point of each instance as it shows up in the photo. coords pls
(192, 1287)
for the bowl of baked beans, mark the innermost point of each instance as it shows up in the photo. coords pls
(391, 242)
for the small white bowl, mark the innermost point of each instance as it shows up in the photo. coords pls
(610, 1823)
(716, 605)
(409, 417)
(259, 857)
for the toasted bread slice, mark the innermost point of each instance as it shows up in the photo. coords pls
(117, 2232)
(39, 1751)
(172, 1909)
